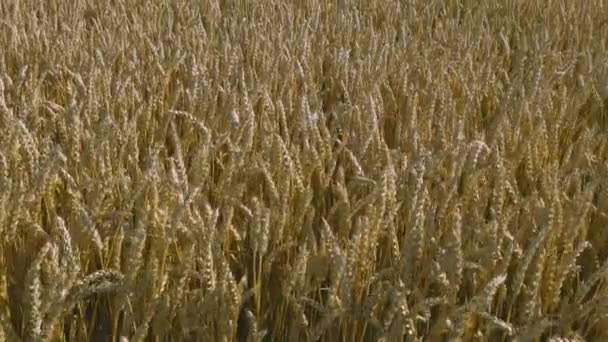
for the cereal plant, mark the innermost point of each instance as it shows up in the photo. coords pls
(233, 170)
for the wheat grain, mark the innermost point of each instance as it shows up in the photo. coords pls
(367, 170)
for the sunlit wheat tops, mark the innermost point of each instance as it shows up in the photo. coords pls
(303, 170)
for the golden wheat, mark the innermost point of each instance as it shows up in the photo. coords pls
(303, 170)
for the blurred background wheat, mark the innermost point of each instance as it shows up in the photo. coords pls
(231, 170)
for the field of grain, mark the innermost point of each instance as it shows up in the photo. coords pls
(299, 170)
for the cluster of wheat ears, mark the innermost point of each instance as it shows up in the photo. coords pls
(273, 170)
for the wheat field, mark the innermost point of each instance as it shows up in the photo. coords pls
(303, 170)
